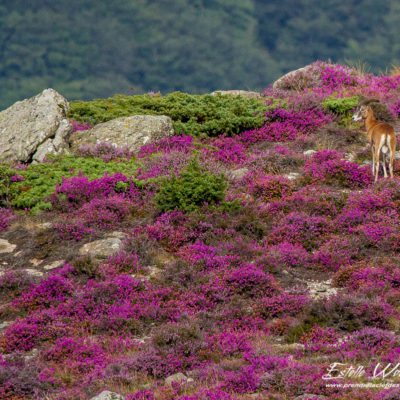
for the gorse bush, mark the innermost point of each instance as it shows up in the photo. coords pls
(191, 189)
(191, 114)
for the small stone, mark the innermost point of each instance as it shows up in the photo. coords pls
(292, 176)
(6, 246)
(350, 157)
(309, 153)
(31, 355)
(176, 378)
(308, 396)
(154, 271)
(33, 272)
(101, 248)
(118, 234)
(35, 262)
(107, 395)
(143, 339)
(45, 225)
(54, 264)
(239, 173)
(397, 155)
(5, 324)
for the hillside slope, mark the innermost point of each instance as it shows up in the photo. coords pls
(248, 262)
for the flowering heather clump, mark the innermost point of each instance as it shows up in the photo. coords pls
(230, 343)
(76, 191)
(14, 282)
(252, 281)
(104, 213)
(285, 255)
(226, 149)
(338, 76)
(269, 187)
(337, 252)
(285, 125)
(328, 167)
(184, 144)
(73, 230)
(164, 164)
(300, 228)
(78, 126)
(21, 336)
(50, 291)
(282, 304)
(315, 200)
(105, 151)
(371, 341)
(6, 217)
(243, 381)
(318, 336)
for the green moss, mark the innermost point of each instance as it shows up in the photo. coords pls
(191, 114)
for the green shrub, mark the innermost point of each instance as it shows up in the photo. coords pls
(191, 114)
(341, 106)
(40, 180)
(191, 189)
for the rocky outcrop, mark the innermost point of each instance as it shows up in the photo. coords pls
(132, 132)
(299, 79)
(244, 93)
(57, 144)
(32, 128)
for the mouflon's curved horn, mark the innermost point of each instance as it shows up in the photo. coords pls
(364, 101)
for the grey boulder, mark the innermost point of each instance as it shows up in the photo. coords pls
(31, 128)
(132, 132)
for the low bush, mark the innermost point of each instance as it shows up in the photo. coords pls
(340, 105)
(191, 114)
(190, 190)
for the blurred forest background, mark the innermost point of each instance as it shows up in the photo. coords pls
(96, 48)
